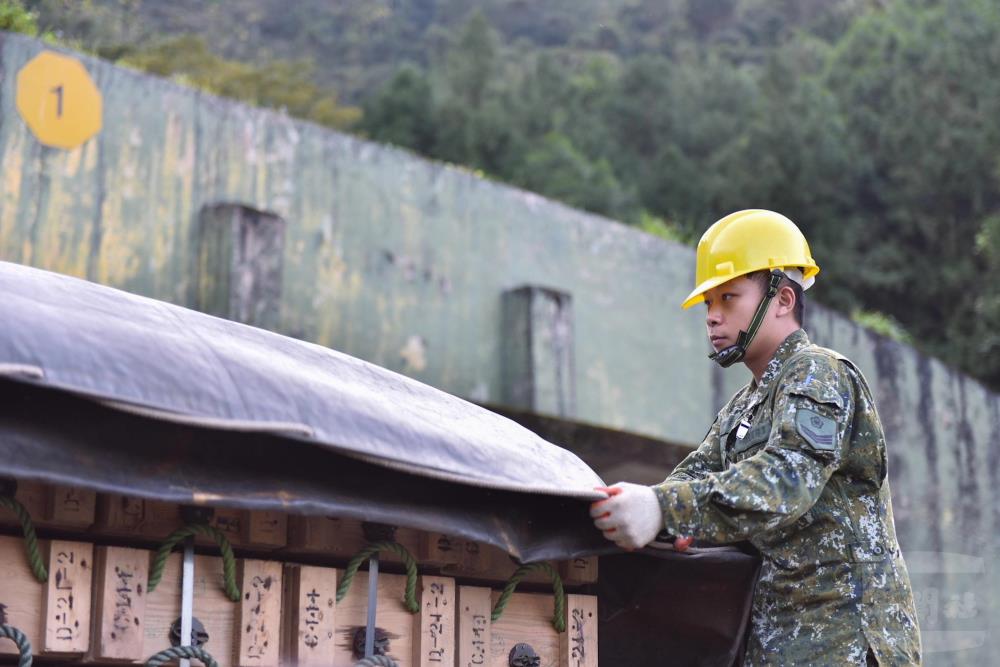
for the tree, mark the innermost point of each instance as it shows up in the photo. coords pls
(402, 112)
(920, 100)
(555, 168)
(985, 336)
(15, 18)
(472, 106)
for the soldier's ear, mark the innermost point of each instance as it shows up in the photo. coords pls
(786, 301)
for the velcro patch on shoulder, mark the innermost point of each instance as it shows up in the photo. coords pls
(821, 392)
(818, 430)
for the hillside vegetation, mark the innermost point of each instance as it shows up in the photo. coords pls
(871, 123)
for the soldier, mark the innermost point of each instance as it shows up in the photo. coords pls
(795, 463)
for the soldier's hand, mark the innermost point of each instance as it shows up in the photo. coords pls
(630, 516)
(682, 543)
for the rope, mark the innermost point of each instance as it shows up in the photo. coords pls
(23, 645)
(558, 616)
(228, 560)
(177, 652)
(410, 595)
(376, 661)
(30, 539)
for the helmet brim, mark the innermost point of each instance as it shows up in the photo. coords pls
(698, 294)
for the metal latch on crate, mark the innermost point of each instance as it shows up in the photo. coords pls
(198, 636)
(187, 638)
(374, 532)
(523, 655)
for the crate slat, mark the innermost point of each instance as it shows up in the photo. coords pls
(310, 615)
(120, 579)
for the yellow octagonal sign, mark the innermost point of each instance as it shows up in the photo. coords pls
(58, 100)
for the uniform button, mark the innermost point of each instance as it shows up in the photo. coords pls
(877, 551)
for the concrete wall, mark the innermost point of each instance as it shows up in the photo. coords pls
(382, 248)
(405, 263)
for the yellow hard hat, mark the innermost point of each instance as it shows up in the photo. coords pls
(748, 241)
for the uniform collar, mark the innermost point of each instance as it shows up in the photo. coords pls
(797, 340)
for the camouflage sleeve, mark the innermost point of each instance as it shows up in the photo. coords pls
(773, 488)
(707, 458)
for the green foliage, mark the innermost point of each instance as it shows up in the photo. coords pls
(280, 84)
(664, 229)
(473, 64)
(15, 18)
(985, 334)
(557, 169)
(85, 25)
(919, 99)
(988, 241)
(882, 324)
(401, 113)
(471, 112)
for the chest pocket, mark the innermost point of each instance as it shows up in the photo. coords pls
(751, 442)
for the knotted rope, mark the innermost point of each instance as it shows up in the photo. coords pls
(376, 661)
(23, 645)
(30, 539)
(410, 594)
(228, 559)
(558, 616)
(177, 652)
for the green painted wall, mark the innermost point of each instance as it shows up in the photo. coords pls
(404, 262)
(381, 247)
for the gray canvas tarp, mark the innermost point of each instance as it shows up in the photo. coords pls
(117, 392)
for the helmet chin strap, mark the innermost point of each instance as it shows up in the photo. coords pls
(728, 356)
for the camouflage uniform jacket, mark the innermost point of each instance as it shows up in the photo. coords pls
(796, 464)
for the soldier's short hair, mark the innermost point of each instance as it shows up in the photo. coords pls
(799, 313)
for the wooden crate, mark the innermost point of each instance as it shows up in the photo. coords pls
(287, 613)
(152, 520)
(258, 627)
(527, 619)
(578, 571)
(309, 616)
(471, 560)
(413, 640)
(120, 581)
(56, 615)
(239, 633)
(339, 539)
(64, 508)
(118, 517)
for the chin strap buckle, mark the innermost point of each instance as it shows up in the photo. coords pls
(728, 356)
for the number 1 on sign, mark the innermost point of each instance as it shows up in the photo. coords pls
(58, 91)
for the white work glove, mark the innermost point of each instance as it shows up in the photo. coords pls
(630, 516)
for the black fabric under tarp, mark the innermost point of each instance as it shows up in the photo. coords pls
(665, 608)
(119, 393)
(62, 438)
